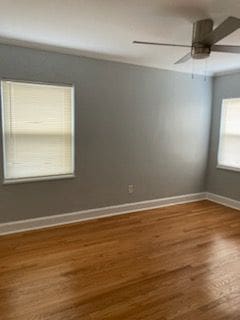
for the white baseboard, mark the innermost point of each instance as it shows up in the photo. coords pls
(65, 218)
(223, 200)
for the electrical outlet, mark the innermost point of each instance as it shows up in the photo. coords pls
(130, 188)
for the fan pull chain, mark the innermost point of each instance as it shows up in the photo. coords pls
(205, 69)
(193, 69)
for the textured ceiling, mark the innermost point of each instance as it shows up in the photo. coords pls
(105, 29)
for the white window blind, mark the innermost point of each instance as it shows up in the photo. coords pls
(229, 144)
(37, 122)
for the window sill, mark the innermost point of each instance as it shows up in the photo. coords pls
(229, 168)
(37, 179)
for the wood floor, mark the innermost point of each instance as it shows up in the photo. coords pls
(180, 262)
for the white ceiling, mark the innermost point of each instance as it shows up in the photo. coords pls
(105, 29)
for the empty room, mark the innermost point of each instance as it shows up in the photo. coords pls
(120, 160)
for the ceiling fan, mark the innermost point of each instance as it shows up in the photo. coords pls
(204, 39)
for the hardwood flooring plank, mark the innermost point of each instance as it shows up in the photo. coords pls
(174, 263)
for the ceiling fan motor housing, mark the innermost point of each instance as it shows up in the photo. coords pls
(200, 52)
(200, 30)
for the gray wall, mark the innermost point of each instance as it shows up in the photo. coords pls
(134, 125)
(221, 181)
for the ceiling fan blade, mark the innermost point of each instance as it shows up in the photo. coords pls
(230, 49)
(162, 44)
(223, 30)
(184, 59)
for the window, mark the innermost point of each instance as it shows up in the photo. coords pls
(37, 123)
(229, 143)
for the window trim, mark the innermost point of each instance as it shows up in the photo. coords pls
(40, 178)
(229, 168)
(73, 110)
(222, 166)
